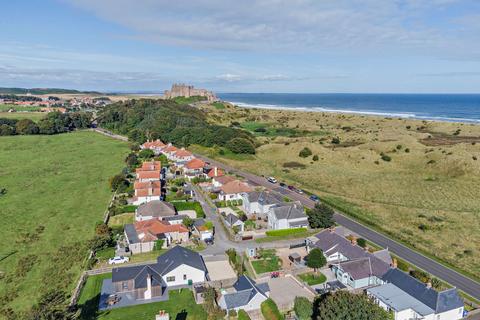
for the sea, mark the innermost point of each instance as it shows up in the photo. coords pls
(439, 107)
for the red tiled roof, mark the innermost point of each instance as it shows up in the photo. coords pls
(170, 149)
(154, 227)
(211, 173)
(147, 192)
(153, 144)
(146, 184)
(150, 166)
(148, 175)
(195, 164)
(182, 153)
(224, 179)
(235, 186)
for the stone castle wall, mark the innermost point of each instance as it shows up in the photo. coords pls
(183, 90)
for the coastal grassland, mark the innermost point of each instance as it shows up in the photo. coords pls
(35, 116)
(415, 180)
(57, 189)
(6, 107)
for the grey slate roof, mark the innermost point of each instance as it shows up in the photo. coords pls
(288, 210)
(398, 299)
(198, 222)
(131, 233)
(438, 301)
(175, 218)
(357, 269)
(156, 208)
(263, 197)
(232, 219)
(383, 255)
(246, 290)
(167, 262)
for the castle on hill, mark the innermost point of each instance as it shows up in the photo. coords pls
(183, 90)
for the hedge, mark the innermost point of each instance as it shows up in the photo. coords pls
(284, 232)
(195, 205)
(129, 208)
(270, 310)
(243, 315)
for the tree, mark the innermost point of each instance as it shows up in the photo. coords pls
(187, 222)
(118, 182)
(316, 259)
(315, 158)
(131, 160)
(305, 152)
(241, 145)
(303, 308)
(81, 120)
(146, 154)
(362, 242)
(52, 305)
(158, 244)
(321, 216)
(26, 126)
(343, 305)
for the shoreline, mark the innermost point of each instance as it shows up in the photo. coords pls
(403, 115)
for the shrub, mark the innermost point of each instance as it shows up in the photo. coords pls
(243, 315)
(407, 150)
(232, 313)
(6, 130)
(335, 140)
(146, 154)
(315, 158)
(362, 242)
(26, 126)
(305, 152)
(284, 232)
(241, 145)
(260, 129)
(386, 158)
(402, 265)
(294, 165)
(316, 259)
(423, 227)
(303, 308)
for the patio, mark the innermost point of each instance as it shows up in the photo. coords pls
(125, 299)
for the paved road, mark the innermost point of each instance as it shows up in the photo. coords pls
(454, 278)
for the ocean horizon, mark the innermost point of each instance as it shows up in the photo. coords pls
(439, 107)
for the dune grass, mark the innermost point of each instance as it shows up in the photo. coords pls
(427, 195)
(57, 189)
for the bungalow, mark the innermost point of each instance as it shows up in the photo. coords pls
(147, 191)
(182, 156)
(177, 267)
(169, 151)
(248, 295)
(150, 166)
(409, 298)
(142, 235)
(233, 221)
(155, 145)
(351, 264)
(287, 215)
(259, 202)
(221, 180)
(144, 176)
(154, 209)
(233, 189)
(194, 168)
(214, 172)
(201, 230)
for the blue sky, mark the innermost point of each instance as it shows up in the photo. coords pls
(381, 46)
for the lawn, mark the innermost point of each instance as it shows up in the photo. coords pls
(35, 116)
(304, 233)
(181, 305)
(270, 310)
(57, 189)
(191, 205)
(122, 219)
(6, 107)
(267, 261)
(427, 196)
(90, 296)
(312, 278)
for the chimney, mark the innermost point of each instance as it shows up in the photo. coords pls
(394, 263)
(150, 191)
(215, 171)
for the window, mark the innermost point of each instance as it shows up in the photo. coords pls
(171, 279)
(124, 285)
(184, 277)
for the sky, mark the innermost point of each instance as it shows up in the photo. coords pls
(302, 46)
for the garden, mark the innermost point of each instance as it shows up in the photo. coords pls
(266, 261)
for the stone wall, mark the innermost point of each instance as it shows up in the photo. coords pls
(183, 90)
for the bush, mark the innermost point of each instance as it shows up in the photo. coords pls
(305, 152)
(303, 308)
(270, 310)
(386, 158)
(26, 126)
(315, 158)
(6, 130)
(260, 129)
(284, 232)
(294, 165)
(362, 242)
(243, 315)
(241, 145)
(402, 265)
(146, 154)
(335, 140)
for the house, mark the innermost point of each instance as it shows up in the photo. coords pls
(215, 172)
(182, 156)
(154, 209)
(233, 189)
(145, 176)
(408, 298)
(155, 145)
(142, 235)
(221, 180)
(201, 230)
(233, 221)
(259, 202)
(247, 295)
(194, 168)
(287, 215)
(150, 166)
(352, 265)
(169, 151)
(176, 219)
(177, 267)
(147, 191)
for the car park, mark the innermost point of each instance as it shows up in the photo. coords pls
(118, 260)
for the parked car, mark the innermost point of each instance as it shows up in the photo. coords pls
(209, 241)
(118, 260)
(291, 188)
(300, 191)
(314, 198)
(283, 185)
(272, 180)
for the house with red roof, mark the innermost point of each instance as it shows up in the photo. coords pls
(215, 172)
(221, 180)
(232, 190)
(150, 166)
(181, 157)
(146, 191)
(155, 145)
(142, 235)
(169, 151)
(194, 168)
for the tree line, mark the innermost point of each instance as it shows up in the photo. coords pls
(169, 121)
(53, 123)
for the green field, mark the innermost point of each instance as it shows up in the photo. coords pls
(181, 305)
(6, 107)
(57, 189)
(312, 278)
(35, 116)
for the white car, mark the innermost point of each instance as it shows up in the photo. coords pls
(118, 260)
(272, 180)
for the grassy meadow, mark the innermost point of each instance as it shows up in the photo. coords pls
(35, 116)
(56, 190)
(416, 180)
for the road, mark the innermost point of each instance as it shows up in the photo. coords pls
(469, 286)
